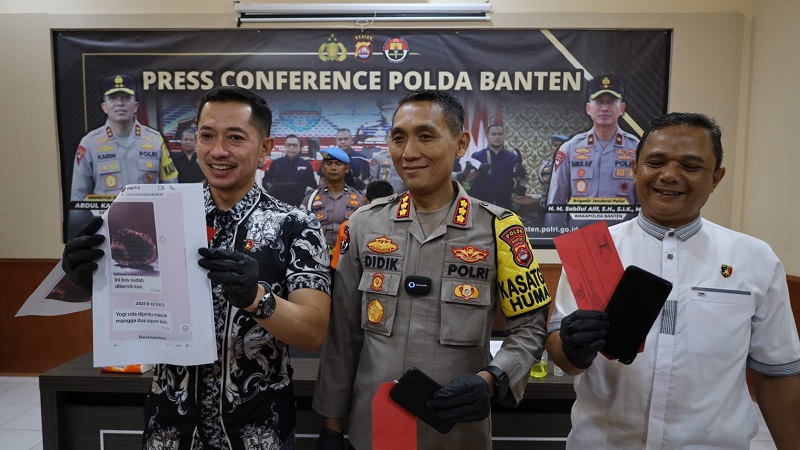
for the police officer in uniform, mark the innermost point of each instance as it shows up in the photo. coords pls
(382, 168)
(336, 202)
(595, 164)
(121, 152)
(474, 258)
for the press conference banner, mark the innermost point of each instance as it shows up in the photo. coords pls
(532, 82)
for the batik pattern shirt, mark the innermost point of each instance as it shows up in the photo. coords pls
(244, 400)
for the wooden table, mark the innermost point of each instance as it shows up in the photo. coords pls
(85, 409)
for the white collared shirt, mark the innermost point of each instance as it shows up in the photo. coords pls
(688, 389)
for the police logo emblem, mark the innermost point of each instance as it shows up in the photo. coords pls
(581, 172)
(110, 181)
(382, 245)
(345, 245)
(79, 154)
(248, 244)
(374, 311)
(515, 237)
(469, 254)
(581, 186)
(149, 165)
(377, 282)
(333, 50)
(466, 292)
(395, 50)
(363, 51)
(726, 270)
(619, 173)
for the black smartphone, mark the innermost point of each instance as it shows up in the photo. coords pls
(632, 310)
(412, 391)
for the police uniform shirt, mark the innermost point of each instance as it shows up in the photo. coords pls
(478, 260)
(331, 209)
(382, 168)
(287, 179)
(583, 168)
(188, 168)
(105, 162)
(497, 185)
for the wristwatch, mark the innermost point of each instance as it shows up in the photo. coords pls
(266, 306)
(500, 381)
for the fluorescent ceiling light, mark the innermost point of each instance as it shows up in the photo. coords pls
(328, 12)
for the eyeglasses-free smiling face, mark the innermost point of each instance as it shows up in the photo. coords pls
(675, 174)
(229, 148)
(423, 150)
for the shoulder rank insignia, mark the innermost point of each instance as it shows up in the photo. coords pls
(404, 208)
(462, 211)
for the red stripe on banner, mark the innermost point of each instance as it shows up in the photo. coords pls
(393, 427)
(498, 112)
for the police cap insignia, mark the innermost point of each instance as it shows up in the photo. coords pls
(119, 83)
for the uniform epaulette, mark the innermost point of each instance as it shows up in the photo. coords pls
(497, 211)
(381, 201)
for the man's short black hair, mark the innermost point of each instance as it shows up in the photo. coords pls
(495, 125)
(378, 189)
(292, 135)
(260, 116)
(453, 111)
(690, 120)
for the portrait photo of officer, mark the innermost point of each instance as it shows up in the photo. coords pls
(595, 166)
(123, 151)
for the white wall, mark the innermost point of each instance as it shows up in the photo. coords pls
(714, 42)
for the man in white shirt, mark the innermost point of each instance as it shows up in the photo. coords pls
(728, 310)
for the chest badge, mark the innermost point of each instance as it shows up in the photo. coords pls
(470, 254)
(466, 292)
(248, 244)
(726, 270)
(377, 282)
(382, 245)
(375, 311)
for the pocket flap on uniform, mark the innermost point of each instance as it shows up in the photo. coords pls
(379, 282)
(148, 165)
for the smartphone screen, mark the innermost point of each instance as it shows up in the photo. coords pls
(632, 310)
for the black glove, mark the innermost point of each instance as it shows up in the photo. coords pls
(80, 256)
(465, 399)
(583, 334)
(236, 272)
(330, 440)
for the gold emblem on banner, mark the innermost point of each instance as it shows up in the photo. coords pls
(333, 50)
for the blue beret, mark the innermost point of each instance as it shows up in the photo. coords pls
(335, 153)
(558, 138)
